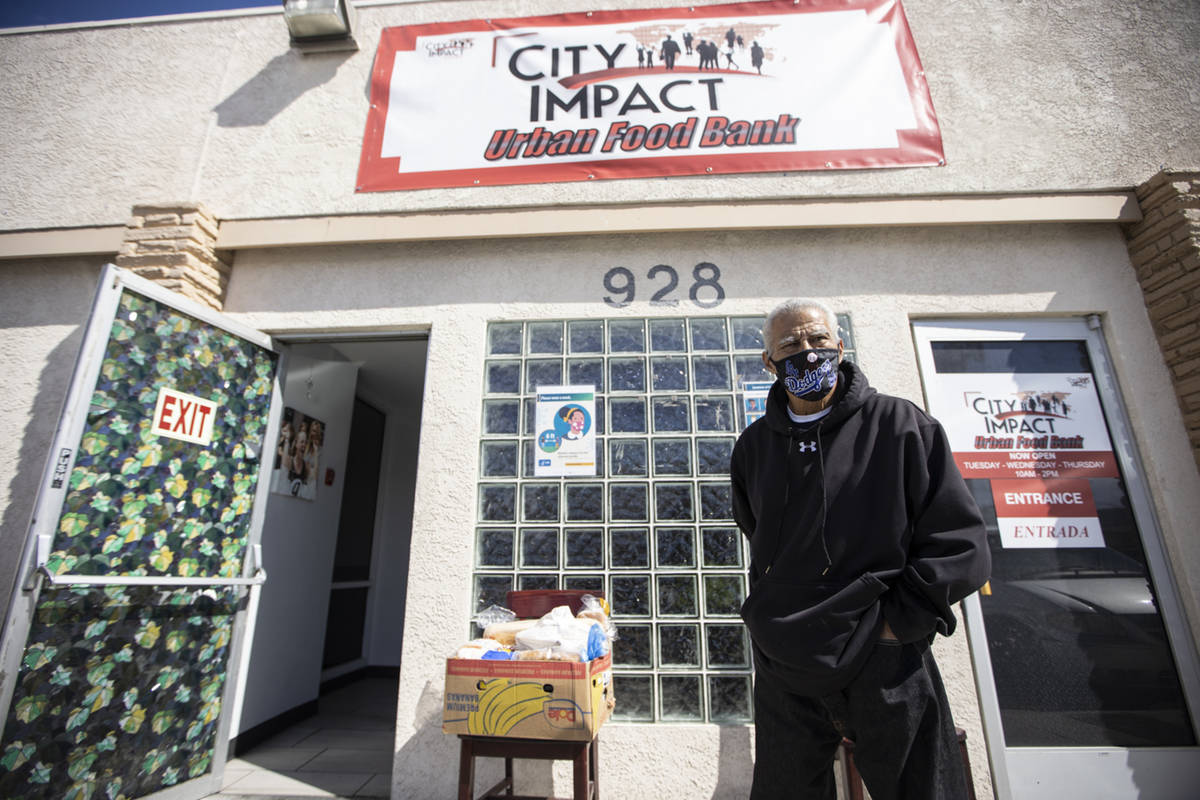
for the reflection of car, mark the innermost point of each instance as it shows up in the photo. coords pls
(1079, 652)
(1087, 645)
(1111, 593)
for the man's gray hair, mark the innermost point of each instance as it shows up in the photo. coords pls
(795, 306)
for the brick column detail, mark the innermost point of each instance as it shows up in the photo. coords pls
(1164, 249)
(174, 244)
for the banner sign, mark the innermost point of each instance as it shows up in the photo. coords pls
(746, 87)
(1035, 425)
(565, 419)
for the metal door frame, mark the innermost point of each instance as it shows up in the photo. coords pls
(1038, 763)
(50, 498)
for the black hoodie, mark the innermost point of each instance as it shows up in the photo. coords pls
(891, 532)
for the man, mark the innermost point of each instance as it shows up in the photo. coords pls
(669, 50)
(756, 56)
(862, 536)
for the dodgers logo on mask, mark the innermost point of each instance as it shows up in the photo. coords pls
(799, 383)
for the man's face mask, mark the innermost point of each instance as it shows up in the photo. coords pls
(809, 374)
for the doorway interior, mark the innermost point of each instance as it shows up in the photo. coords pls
(315, 712)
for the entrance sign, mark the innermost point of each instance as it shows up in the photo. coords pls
(182, 416)
(744, 87)
(566, 424)
(1046, 513)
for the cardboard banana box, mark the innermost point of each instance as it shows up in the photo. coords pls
(527, 699)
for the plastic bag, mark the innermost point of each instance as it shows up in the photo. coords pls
(492, 615)
(552, 630)
(596, 609)
(597, 643)
(562, 635)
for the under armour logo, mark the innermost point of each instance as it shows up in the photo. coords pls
(806, 447)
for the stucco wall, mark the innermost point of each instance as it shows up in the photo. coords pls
(882, 278)
(43, 309)
(1035, 95)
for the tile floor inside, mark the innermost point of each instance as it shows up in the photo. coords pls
(344, 751)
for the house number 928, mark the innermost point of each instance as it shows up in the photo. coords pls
(706, 290)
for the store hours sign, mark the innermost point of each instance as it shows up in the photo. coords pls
(746, 87)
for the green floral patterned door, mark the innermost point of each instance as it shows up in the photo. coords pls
(118, 648)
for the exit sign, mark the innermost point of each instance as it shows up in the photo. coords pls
(184, 416)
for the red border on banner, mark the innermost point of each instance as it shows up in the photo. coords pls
(921, 146)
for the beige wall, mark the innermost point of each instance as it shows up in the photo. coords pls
(43, 309)
(1046, 95)
(1039, 96)
(883, 278)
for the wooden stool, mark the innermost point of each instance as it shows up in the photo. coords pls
(586, 756)
(854, 784)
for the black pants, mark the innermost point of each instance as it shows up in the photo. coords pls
(896, 712)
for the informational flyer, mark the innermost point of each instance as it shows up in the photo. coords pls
(754, 399)
(1039, 438)
(565, 417)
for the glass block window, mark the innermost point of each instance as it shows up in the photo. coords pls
(653, 529)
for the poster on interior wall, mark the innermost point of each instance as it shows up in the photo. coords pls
(565, 417)
(754, 399)
(1024, 425)
(297, 455)
(744, 87)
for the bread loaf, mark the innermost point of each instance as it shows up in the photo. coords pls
(506, 632)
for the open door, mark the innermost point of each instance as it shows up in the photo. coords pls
(117, 651)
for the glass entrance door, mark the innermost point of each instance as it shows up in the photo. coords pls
(117, 649)
(1085, 693)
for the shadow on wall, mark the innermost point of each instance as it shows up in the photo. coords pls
(735, 763)
(31, 458)
(285, 77)
(427, 764)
